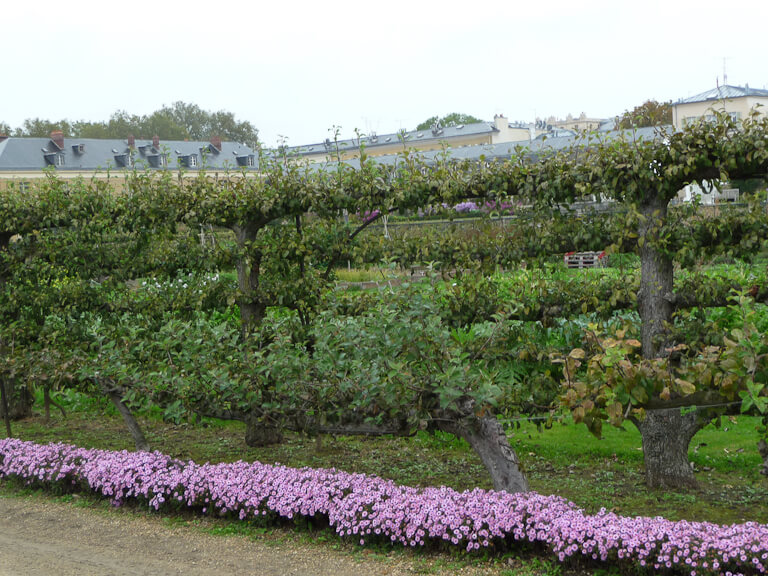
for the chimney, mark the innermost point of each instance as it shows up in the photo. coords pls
(57, 137)
(156, 142)
(131, 141)
(216, 143)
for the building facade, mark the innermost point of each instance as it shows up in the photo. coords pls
(737, 101)
(579, 124)
(499, 131)
(25, 159)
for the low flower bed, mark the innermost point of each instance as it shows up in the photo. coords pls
(366, 508)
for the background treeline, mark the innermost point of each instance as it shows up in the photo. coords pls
(179, 121)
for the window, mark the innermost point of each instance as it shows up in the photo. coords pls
(188, 160)
(735, 116)
(54, 158)
(124, 160)
(247, 161)
(157, 160)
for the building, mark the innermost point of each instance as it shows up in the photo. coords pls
(580, 124)
(25, 159)
(737, 101)
(481, 133)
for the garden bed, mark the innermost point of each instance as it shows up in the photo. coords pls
(368, 508)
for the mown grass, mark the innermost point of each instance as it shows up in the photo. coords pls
(564, 460)
(365, 274)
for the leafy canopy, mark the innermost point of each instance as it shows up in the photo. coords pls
(179, 121)
(649, 113)
(452, 119)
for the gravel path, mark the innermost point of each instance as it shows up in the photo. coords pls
(43, 537)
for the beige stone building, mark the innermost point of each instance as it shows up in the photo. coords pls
(580, 124)
(737, 101)
(501, 130)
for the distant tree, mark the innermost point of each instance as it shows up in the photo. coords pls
(179, 121)
(5, 129)
(40, 128)
(162, 123)
(224, 124)
(200, 124)
(120, 125)
(83, 129)
(650, 113)
(452, 119)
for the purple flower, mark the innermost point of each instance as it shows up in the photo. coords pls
(356, 504)
(465, 207)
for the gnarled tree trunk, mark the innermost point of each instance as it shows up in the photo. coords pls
(666, 433)
(47, 402)
(260, 433)
(762, 447)
(252, 309)
(4, 408)
(666, 436)
(487, 438)
(130, 421)
(18, 400)
(656, 279)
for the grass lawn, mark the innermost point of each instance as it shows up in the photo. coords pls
(565, 460)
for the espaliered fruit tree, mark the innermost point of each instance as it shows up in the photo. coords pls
(290, 362)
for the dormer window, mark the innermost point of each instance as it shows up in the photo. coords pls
(157, 160)
(124, 160)
(188, 160)
(54, 158)
(248, 161)
(78, 149)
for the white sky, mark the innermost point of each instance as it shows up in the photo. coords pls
(296, 68)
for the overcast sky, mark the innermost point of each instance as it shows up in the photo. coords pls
(297, 68)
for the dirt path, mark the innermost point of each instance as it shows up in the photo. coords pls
(42, 537)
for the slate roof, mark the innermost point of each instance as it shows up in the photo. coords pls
(724, 93)
(533, 149)
(22, 154)
(91, 154)
(371, 141)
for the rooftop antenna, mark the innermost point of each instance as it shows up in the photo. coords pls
(725, 70)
